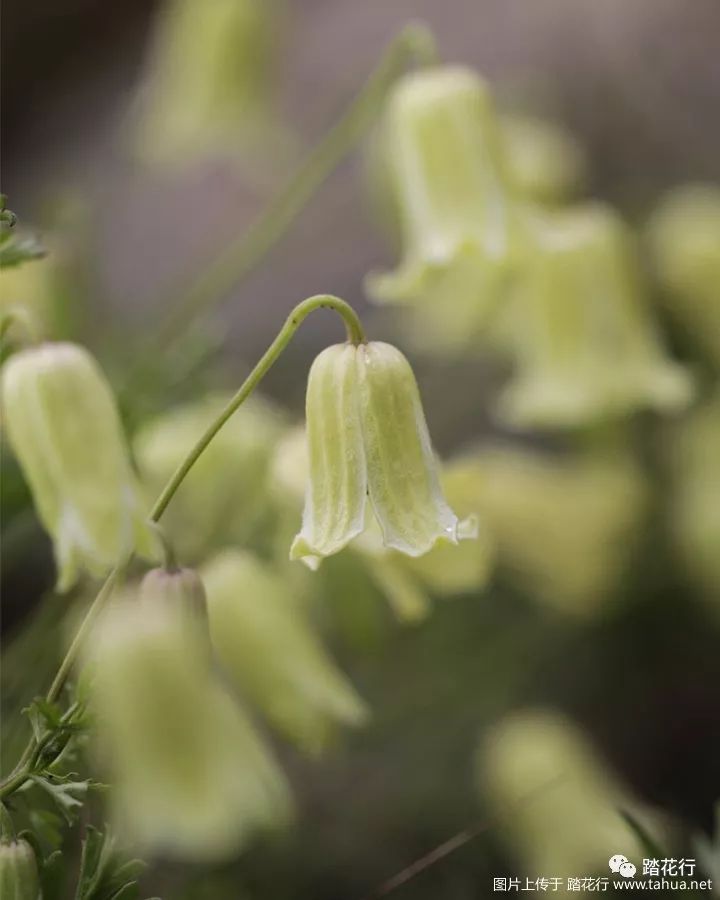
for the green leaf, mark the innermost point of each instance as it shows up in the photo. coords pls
(104, 875)
(15, 248)
(645, 839)
(67, 794)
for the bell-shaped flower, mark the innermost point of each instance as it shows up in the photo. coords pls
(684, 242)
(271, 653)
(190, 775)
(205, 514)
(543, 768)
(63, 424)
(545, 163)
(445, 161)
(407, 583)
(565, 529)
(585, 345)
(368, 441)
(209, 83)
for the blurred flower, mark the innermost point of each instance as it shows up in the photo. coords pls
(208, 86)
(273, 656)
(190, 776)
(557, 803)
(223, 500)
(18, 871)
(181, 590)
(684, 240)
(563, 527)
(367, 437)
(695, 499)
(445, 155)
(64, 427)
(584, 343)
(545, 163)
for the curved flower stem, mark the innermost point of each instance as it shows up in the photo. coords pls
(238, 258)
(355, 334)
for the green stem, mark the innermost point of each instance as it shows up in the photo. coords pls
(355, 335)
(238, 258)
(302, 310)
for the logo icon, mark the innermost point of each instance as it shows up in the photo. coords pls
(627, 870)
(616, 861)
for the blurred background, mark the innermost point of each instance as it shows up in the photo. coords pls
(600, 614)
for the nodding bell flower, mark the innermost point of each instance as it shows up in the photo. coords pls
(18, 871)
(684, 241)
(446, 163)
(368, 441)
(537, 763)
(209, 83)
(64, 427)
(585, 345)
(272, 655)
(190, 776)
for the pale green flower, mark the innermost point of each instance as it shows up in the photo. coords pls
(585, 345)
(271, 653)
(368, 441)
(18, 871)
(684, 240)
(64, 427)
(564, 528)
(566, 805)
(209, 83)
(190, 776)
(446, 165)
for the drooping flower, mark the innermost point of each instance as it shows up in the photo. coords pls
(205, 514)
(446, 170)
(406, 582)
(368, 441)
(271, 653)
(539, 765)
(584, 343)
(564, 528)
(190, 775)
(209, 81)
(684, 241)
(64, 427)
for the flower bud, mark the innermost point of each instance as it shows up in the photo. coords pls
(271, 653)
(684, 240)
(585, 345)
(205, 514)
(65, 430)
(367, 437)
(445, 156)
(209, 81)
(180, 589)
(18, 871)
(536, 768)
(189, 774)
